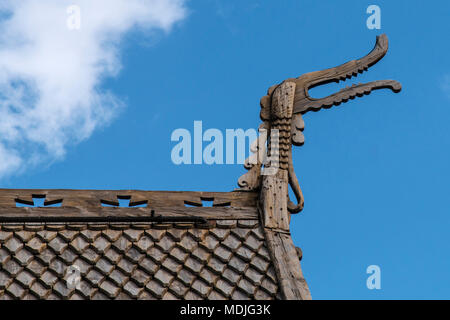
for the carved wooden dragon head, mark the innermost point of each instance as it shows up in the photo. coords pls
(284, 104)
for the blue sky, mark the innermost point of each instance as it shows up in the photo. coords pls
(374, 172)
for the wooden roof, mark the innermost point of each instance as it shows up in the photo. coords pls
(173, 248)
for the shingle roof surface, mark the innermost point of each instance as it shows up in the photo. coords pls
(130, 261)
(174, 248)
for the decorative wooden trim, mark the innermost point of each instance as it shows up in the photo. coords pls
(210, 213)
(85, 199)
(285, 103)
(282, 109)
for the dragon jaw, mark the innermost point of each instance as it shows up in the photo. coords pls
(304, 103)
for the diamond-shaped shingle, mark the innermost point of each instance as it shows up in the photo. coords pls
(156, 254)
(269, 285)
(23, 235)
(245, 254)
(36, 268)
(132, 289)
(179, 289)
(224, 287)
(49, 279)
(46, 235)
(36, 245)
(126, 266)
(113, 255)
(201, 288)
(231, 275)
(208, 276)
(253, 242)
(13, 244)
(24, 257)
(262, 295)
(4, 255)
(144, 243)
(122, 244)
(232, 242)
(112, 235)
(38, 289)
(58, 267)
(68, 256)
(216, 265)
(166, 245)
(12, 267)
(187, 243)
(110, 289)
(62, 289)
(254, 276)
(239, 295)
(90, 255)
(220, 234)
(16, 290)
(201, 254)
(118, 277)
(194, 265)
(25, 278)
(5, 280)
(176, 234)
(104, 266)
(172, 265)
(260, 264)
(164, 277)
(209, 243)
(79, 244)
(178, 254)
(133, 235)
(140, 277)
(156, 289)
(101, 244)
(149, 265)
(94, 277)
(90, 235)
(241, 233)
(5, 235)
(186, 277)
(247, 287)
(67, 235)
(214, 295)
(224, 254)
(82, 265)
(134, 255)
(156, 234)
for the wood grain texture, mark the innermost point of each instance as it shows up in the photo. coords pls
(284, 104)
(94, 198)
(273, 201)
(212, 213)
(292, 283)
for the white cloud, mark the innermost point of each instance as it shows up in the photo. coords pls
(50, 76)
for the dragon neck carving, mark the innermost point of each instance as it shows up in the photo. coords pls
(282, 109)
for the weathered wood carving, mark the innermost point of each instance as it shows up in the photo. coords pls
(281, 111)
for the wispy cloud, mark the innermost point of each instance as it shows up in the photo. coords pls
(50, 75)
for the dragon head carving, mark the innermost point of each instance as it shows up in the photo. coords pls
(283, 106)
